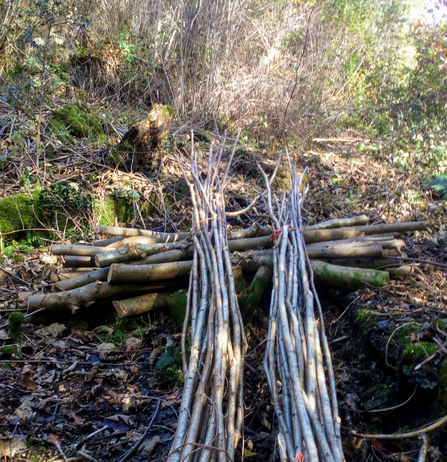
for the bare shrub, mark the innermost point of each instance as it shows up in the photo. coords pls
(279, 68)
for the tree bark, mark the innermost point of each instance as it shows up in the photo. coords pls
(335, 275)
(339, 223)
(142, 304)
(101, 274)
(142, 274)
(78, 262)
(116, 231)
(72, 300)
(345, 250)
(132, 252)
(76, 250)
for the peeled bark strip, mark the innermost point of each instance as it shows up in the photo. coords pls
(400, 272)
(61, 275)
(327, 231)
(81, 280)
(254, 231)
(175, 301)
(345, 250)
(240, 245)
(374, 263)
(133, 240)
(403, 227)
(107, 242)
(320, 235)
(139, 305)
(326, 273)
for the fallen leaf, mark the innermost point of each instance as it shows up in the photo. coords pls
(9, 447)
(53, 439)
(148, 446)
(120, 374)
(132, 343)
(48, 378)
(105, 347)
(45, 403)
(96, 390)
(92, 373)
(100, 329)
(49, 259)
(27, 378)
(77, 420)
(24, 295)
(155, 353)
(168, 403)
(53, 329)
(25, 410)
(120, 417)
(4, 334)
(378, 444)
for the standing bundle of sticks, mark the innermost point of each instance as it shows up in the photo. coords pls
(297, 360)
(211, 412)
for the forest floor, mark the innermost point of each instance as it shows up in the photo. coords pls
(87, 387)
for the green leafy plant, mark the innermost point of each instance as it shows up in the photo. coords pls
(169, 367)
(67, 200)
(17, 248)
(67, 196)
(440, 185)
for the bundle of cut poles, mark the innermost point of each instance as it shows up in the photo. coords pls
(297, 360)
(211, 412)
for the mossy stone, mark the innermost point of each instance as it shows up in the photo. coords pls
(16, 213)
(77, 121)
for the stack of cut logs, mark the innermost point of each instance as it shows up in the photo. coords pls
(345, 253)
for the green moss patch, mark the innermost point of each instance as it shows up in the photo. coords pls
(105, 212)
(177, 306)
(77, 121)
(17, 213)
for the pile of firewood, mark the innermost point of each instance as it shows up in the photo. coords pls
(346, 253)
